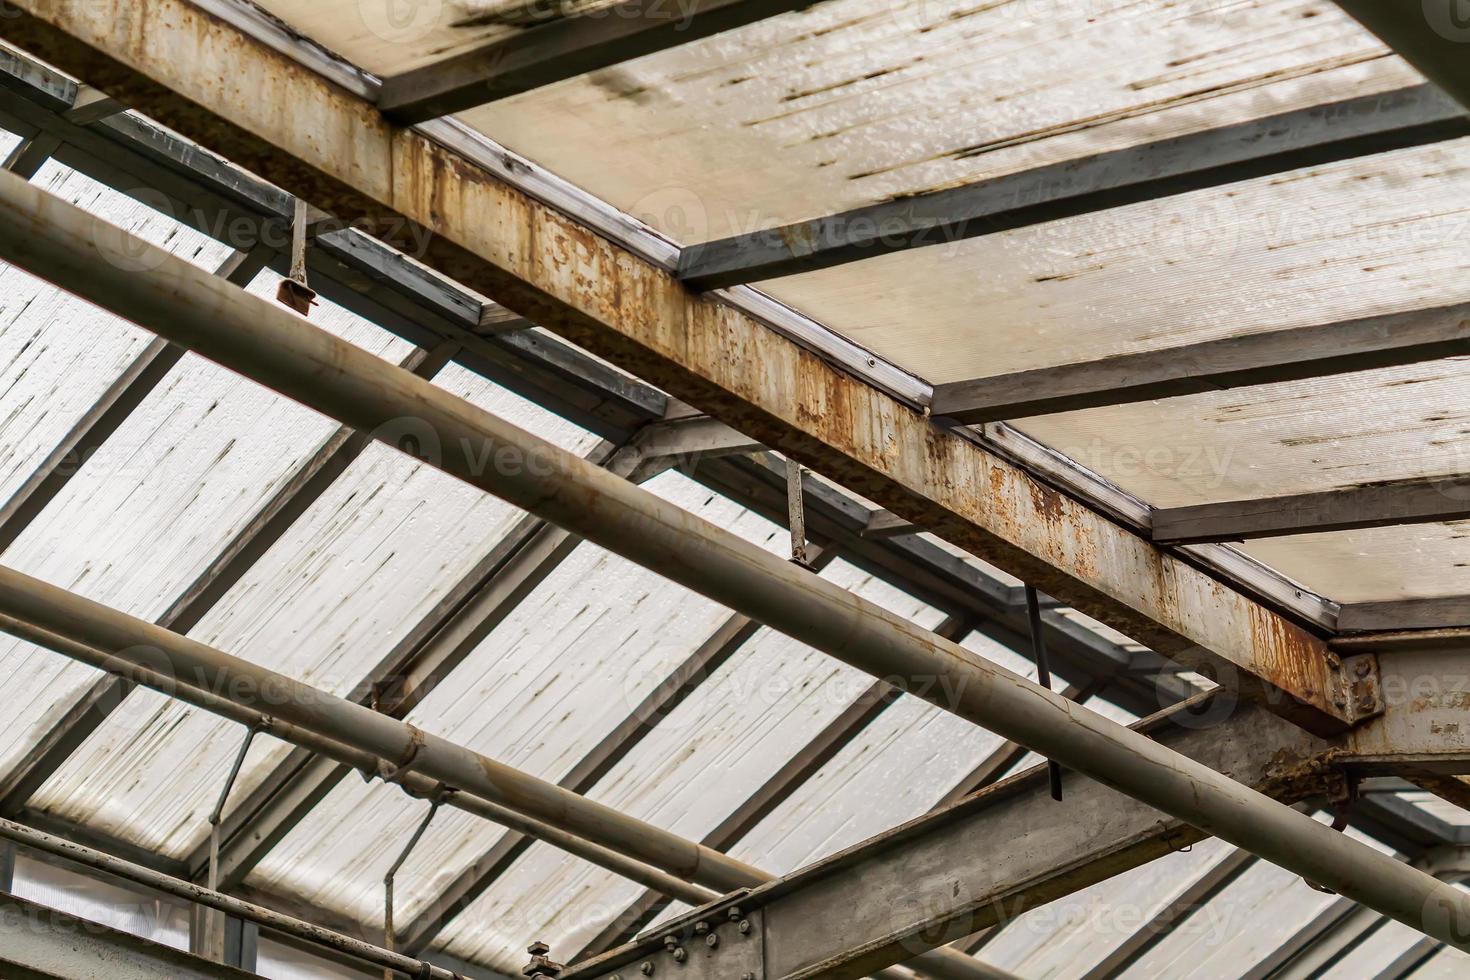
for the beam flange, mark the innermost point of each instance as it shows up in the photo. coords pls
(1234, 362)
(555, 50)
(1418, 501)
(1275, 144)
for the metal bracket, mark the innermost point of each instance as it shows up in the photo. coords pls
(1357, 686)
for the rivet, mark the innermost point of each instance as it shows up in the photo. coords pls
(712, 940)
(744, 927)
(1334, 661)
(1363, 668)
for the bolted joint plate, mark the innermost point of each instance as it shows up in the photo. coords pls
(683, 950)
(1356, 686)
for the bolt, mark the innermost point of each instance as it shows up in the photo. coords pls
(747, 976)
(1366, 703)
(700, 928)
(646, 969)
(712, 940)
(679, 954)
(744, 927)
(538, 948)
(670, 942)
(1334, 661)
(1340, 700)
(1364, 668)
(733, 914)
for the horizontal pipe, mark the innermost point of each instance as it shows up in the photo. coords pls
(414, 783)
(240, 909)
(145, 284)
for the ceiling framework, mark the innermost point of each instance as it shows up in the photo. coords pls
(695, 348)
(329, 387)
(1336, 717)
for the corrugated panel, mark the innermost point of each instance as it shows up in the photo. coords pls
(57, 353)
(896, 770)
(368, 561)
(134, 911)
(1253, 916)
(148, 511)
(697, 767)
(573, 659)
(1361, 237)
(1067, 937)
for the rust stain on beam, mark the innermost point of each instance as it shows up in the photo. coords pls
(208, 81)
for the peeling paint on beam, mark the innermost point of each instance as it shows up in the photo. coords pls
(302, 132)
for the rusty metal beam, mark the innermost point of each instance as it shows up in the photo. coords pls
(557, 272)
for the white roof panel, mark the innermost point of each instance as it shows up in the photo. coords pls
(366, 563)
(693, 770)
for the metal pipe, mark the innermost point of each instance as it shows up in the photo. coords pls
(413, 783)
(240, 909)
(84, 255)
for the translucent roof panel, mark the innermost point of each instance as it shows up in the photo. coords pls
(1303, 437)
(851, 102)
(1414, 561)
(698, 766)
(1252, 916)
(1356, 238)
(1066, 937)
(570, 662)
(898, 768)
(369, 560)
(112, 903)
(152, 507)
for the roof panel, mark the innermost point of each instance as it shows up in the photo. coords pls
(853, 102)
(1374, 235)
(568, 664)
(897, 769)
(1415, 561)
(364, 564)
(150, 509)
(1324, 434)
(701, 763)
(1067, 937)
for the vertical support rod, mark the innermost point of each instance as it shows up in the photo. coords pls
(389, 940)
(298, 242)
(796, 511)
(1043, 676)
(212, 925)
